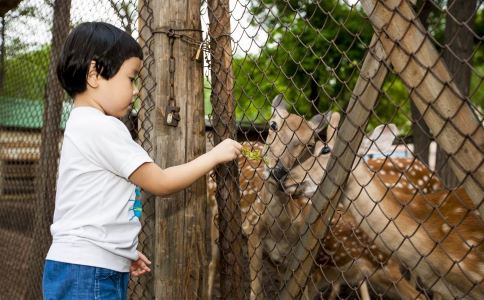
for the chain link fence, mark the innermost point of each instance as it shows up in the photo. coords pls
(362, 169)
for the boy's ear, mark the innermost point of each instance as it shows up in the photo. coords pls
(92, 75)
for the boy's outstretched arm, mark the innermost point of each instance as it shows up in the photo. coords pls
(151, 178)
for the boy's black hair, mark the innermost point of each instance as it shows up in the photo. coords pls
(101, 42)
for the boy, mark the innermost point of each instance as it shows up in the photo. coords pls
(96, 214)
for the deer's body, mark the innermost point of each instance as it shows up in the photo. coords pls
(436, 235)
(279, 220)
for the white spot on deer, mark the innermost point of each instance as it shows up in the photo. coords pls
(383, 172)
(445, 228)
(481, 267)
(400, 165)
(420, 183)
(459, 210)
(399, 185)
(471, 243)
(373, 246)
(425, 190)
(425, 178)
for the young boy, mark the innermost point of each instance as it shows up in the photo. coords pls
(101, 169)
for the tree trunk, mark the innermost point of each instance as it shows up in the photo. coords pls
(233, 260)
(2, 57)
(348, 140)
(420, 131)
(458, 57)
(49, 153)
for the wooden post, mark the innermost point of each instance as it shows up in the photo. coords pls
(180, 261)
(444, 109)
(233, 259)
(348, 140)
(49, 153)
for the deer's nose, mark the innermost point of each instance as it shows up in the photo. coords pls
(279, 171)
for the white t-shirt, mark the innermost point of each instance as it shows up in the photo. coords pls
(96, 207)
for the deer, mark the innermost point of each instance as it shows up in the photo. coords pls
(278, 220)
(435, 233)
(254, 172)
(252, 205)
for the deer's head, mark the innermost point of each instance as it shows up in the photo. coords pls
(291, 138)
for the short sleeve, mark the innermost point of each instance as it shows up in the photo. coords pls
(110, 146)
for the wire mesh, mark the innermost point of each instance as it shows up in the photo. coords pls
(308, 210)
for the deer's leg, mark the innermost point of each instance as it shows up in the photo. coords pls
(255, 265)
(391, 276)
(315, 285)
(336, 289)
(212, 268)
(365, 294)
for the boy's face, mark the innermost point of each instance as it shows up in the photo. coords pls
(116, 95)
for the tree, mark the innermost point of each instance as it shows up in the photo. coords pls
(5, 20)
(49, 152)
(458, 57)
(126, 13)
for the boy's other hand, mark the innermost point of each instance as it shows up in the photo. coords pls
(140, 266)
(225, 151)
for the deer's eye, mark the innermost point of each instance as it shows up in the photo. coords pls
(310, 147)
(325, 150)
(273, 125)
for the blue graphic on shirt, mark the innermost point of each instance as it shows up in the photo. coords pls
(137, 207)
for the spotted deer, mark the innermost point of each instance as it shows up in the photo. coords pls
(347, 256)
(437, 234)
(270, 228)
(281, 152)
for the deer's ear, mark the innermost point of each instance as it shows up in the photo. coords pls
(278, 103)
(319, 122)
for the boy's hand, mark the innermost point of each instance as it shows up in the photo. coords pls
(140, 266)
(225, 151)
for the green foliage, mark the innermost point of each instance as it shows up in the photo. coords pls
(26, 74)
(325, 42)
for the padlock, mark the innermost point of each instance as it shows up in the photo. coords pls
(172, 115)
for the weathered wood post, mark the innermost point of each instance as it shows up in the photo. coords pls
(179, 256)
(348, 140)
(232, 255)
(49, 153)
(444, 109)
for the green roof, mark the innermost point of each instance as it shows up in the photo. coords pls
(26, 113)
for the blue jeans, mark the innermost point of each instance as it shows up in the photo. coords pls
(75, 282)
